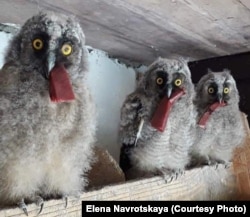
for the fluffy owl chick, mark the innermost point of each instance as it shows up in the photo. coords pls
(220, 124)
(157, 122)
(47, 118)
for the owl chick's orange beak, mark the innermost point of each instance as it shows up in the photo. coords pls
(60, 87)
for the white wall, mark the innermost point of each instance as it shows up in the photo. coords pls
(4, 38)
(109, 82)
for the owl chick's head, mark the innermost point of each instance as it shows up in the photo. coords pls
(165, 76)
(48, 51)
(217, 87)
(46, 40)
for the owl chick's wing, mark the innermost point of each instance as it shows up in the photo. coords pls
(131, 124)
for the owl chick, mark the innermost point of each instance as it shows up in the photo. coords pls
(47, 118)
(157, 122)
(220, 125)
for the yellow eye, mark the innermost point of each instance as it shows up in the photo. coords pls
(37, 44)
(66, 49)
(177, 82)
(159, 81)
(210, 90)
(226, 90)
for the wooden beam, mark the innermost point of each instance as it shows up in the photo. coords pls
(245, 3)
(142, 31)
(197, 184)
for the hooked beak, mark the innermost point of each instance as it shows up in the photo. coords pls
(219, 98)
(169, 90)
(50, 63)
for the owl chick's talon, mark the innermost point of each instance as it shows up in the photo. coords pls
(168, 179)
(40, 203)
(227, 165)
(23, 206)
(25, 211)
(65, 198)
(171, 175)
(181, 173)
(176, 174)
(216, 166)
(41, 209)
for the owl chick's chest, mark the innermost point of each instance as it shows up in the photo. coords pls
(36, 112)
(156, 144)
(221, 130)
(222, 120)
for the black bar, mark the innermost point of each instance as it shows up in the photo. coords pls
(166, 208)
